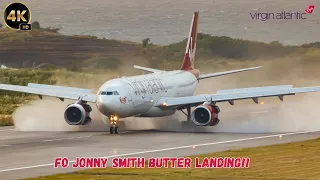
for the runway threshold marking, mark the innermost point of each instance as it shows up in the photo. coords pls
(172, 148)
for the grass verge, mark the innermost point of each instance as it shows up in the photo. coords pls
(9, 100)
(298, 160)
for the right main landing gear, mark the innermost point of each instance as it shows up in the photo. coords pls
(214, 122)
(113, 124)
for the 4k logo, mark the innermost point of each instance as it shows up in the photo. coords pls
(17, 16)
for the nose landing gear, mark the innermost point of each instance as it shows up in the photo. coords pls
(113, 124)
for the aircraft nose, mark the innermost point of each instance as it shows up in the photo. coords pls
(104, 105)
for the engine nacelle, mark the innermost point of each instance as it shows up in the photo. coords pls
(205, 115)
(78, 113)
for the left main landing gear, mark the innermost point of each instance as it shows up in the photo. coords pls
(113, 124)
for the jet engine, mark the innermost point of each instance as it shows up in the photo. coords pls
(205, 115)
(78, 113)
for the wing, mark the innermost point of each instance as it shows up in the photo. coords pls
(204, 76)
(61, 92)
(234, 94)
(147, 69)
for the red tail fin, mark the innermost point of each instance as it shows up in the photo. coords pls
(189, 57)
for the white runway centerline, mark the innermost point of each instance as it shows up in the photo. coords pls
(172, 148)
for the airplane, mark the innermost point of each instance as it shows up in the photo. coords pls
(156, 94)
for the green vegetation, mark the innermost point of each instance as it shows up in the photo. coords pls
(227, 48)
(101, 62)
(10, 100)
(6, 120)
(145, 42)
(299, 160)
(35, 25)
(75, 52)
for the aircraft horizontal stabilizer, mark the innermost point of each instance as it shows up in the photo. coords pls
(204, 76)
(147, 69)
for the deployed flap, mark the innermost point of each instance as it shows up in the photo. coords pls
(254, 89)
(204, 76)
(147, 69)
(234, 94)
(50, 92)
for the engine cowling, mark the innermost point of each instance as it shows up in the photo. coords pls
(77, 114)
(205, 115)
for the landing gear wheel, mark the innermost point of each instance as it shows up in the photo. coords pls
(215, 122)
(116, 130)
(111, 129)
(113, 124)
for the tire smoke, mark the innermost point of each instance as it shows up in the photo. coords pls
(288, 116)
(296, 113)
(48, 115)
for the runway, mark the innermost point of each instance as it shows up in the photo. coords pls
(31, 154)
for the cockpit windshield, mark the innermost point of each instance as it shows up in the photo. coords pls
(109, 93)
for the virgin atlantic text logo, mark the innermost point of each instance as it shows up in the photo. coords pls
(283, 15)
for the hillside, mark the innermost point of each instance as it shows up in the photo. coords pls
(47, 49)
(43, 48)
(45, 56)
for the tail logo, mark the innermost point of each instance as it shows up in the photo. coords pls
(189, 57)
(309, 9)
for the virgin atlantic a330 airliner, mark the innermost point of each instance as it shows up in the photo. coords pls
(159, 93)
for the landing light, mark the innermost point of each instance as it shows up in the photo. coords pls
(115, 118)
(164, 104)
(262, 103)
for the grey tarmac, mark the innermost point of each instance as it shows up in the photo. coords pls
(31, 154)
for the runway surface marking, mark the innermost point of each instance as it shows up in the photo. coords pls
(259, 112)
(5, 145)
(172, 148)
(7, 130)
(78, 137)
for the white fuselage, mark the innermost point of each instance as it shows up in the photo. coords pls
(136, 95)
